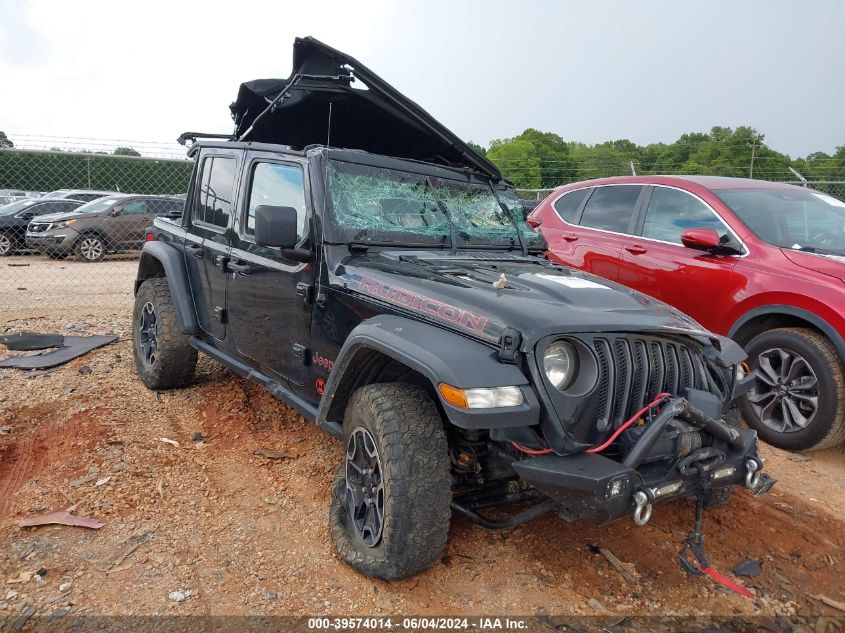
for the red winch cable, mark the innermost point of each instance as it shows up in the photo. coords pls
(597, 449)
(657, 400)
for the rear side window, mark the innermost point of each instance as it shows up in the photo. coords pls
(611, 208)
(671, 212)
(217, 182)
(567, 205)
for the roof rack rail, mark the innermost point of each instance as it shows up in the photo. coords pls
(193, 136)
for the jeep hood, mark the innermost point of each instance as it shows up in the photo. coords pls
(341, 103)
(535, 297)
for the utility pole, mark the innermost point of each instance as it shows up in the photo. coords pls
(633, 169)
(753, 151)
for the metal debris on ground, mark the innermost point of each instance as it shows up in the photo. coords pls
(835, 604)
(263, 452)
(75, 483)
(72, 347)
(749, 568)
(798, 457)
(626, 570)
(60, 517)
(29, 341)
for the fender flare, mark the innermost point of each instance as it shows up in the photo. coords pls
(825, 327)
(155, 255)
(439, 355)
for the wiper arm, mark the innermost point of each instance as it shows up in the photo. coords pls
(509, 215)
(453, 229)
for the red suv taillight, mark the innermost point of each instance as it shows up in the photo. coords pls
(149, 237)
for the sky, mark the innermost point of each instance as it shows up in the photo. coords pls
(587, 70)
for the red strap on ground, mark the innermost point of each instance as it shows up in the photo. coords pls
(727, 582)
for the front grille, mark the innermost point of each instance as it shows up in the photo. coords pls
(38, 227)
(634, 369)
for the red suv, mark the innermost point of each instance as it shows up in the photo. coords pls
(761, 262)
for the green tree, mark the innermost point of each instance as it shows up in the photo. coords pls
(126, 151)
(518, 162)
(547, 160)
(477, 148)
(5, 141)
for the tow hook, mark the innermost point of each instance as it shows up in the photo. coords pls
(756, 480)
(642, 508)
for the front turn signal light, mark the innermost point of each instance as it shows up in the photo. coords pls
(482, 397)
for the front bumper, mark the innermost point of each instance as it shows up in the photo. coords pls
(51, 242)
(600, 489)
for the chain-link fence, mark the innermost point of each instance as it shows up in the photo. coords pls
(75, 212)
(75, 215)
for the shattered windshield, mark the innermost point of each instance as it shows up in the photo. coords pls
(389, 206)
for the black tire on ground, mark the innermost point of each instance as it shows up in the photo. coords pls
(824, 429)
(163, 357)
(7, 244)
(413, 457)
(90, 248)
(719, 497)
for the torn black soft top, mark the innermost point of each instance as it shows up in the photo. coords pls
(366, 114)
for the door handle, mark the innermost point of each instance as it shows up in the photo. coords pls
(241, 269)
(569, 237)
(195, 250)
(636, 249)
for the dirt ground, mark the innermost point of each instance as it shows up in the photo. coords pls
(239, 533)
(39, 283)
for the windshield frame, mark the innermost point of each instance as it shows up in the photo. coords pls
(779, 215)
(333, 233)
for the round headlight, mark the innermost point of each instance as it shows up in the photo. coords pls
(560, 362)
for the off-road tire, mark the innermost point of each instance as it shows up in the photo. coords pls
(175, 360)
(827, 428)
(411, 443)
(90, 248)
(719, 497)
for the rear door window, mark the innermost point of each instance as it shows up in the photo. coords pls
(611, 208)
(217, 184)
(568, 204)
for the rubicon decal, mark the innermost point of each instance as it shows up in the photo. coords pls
(424, 305)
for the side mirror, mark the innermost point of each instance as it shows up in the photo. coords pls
(116, 212)
(701, 239)
(275, 227)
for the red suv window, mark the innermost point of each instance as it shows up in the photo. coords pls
(611, 208)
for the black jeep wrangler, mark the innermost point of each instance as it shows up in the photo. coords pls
(348, 252)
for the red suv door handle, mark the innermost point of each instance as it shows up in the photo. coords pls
(636, 249)
(569, 237)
